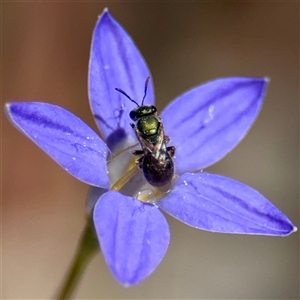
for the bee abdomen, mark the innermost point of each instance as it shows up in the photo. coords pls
(158, 173)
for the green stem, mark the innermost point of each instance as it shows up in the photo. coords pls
(87, 248)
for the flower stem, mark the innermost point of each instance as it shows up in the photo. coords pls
(87, 248)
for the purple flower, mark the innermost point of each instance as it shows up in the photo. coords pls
(204, 124)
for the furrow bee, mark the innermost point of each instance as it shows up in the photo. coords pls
(155, 158)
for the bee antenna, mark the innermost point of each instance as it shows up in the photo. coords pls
(145, 91)
(122, 92)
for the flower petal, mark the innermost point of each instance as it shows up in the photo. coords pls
(64, 137)
(115, 62)
(92, 198)
(133, 236)
(216, 203)
(207, 122)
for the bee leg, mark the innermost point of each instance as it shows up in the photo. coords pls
(132, 125)
(171, 150)
(137, 152)
(139, 162)
(166, 139)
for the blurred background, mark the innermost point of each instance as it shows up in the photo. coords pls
(45, 56)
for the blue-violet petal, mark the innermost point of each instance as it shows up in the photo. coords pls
(208, 121)
(64, 137)
(133, 236)
(115, 62)
(219, 204)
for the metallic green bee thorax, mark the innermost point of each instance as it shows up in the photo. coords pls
(148, 125)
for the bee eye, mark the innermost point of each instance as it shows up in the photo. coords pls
(132, 115)
(153, 108)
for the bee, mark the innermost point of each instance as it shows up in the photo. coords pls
(156, 159)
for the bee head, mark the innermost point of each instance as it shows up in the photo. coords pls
(142, 111)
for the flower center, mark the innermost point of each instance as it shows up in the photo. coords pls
(132, 170)
(126, 177)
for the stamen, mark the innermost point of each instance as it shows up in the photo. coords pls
(125, 178)
(122, 151)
